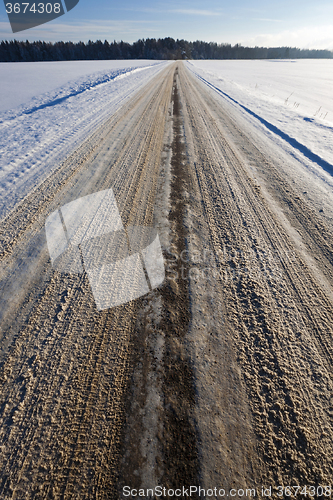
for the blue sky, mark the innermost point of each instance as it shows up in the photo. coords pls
(300, 23)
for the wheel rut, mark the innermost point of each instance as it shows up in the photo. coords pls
(173, 460)
(221, 376)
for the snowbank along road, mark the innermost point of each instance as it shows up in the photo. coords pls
(221, 376)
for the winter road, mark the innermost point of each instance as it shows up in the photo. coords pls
(220, 377)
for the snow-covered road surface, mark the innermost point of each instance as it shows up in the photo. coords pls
(222, 376)
(48, 109)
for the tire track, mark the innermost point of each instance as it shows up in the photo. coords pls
(180, 455)
(222, 377)
(160, 445)
(66, 374)
(280, 317)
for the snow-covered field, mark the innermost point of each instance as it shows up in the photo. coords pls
(290, 99)
(48, 108)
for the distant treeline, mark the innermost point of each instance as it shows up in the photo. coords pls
(166, 48)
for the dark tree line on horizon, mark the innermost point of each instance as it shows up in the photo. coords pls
(166, 48)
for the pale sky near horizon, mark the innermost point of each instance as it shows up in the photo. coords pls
(296, 23)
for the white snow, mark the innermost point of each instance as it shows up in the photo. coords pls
(289, 98)
(47, 109)
(21, 82)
